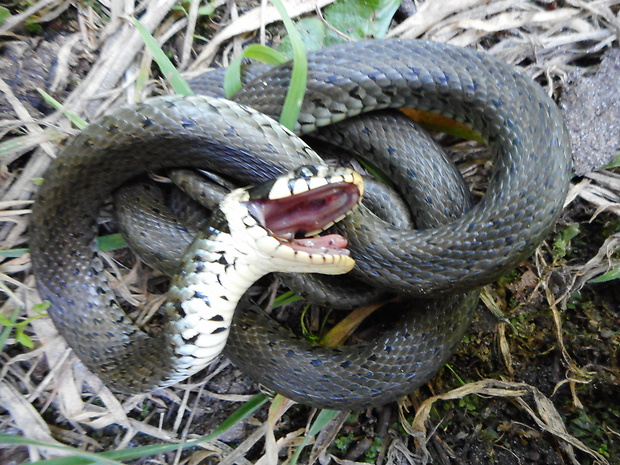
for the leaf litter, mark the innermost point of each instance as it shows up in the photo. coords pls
(94, 65)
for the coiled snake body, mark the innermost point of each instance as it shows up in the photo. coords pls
(524, 197)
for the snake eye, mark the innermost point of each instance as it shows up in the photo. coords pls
(305, 172)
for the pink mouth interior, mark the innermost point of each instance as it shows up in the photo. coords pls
(308, 212)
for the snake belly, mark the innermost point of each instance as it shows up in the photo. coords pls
(524, 198)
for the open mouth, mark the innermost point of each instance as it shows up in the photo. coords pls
(297, 220)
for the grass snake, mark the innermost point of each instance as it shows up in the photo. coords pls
(531, 170)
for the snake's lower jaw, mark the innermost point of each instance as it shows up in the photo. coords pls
(294, 261)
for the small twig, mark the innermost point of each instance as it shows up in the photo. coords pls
(339, 33)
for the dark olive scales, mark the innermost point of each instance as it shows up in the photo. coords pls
(525, 195)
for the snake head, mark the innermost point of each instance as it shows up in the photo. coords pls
(284, 217)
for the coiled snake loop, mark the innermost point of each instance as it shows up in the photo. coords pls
(531, 170)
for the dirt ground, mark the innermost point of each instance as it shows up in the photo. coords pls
(537, 378)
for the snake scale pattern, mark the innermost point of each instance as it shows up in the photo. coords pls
(531, 171)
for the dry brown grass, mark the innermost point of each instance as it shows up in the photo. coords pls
(99, 62)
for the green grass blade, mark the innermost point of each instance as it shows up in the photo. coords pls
(8, 328)
(169, 71)
(144, 451)
(609, 276)
(13, 253)
(82, 456)
(21, 143)
(299, 76)
(105, 244)
(297, 87)
(286, 298)
(613, 164)
(232, 78)
(75, 119)
(322, 419)
(265, 54)
(4, 14)
(111, 242)
(456, 375)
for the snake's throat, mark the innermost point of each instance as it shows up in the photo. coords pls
(292, 219)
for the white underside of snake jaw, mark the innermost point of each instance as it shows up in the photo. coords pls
(217, 271)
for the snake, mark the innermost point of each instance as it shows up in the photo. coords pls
(527, 188)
